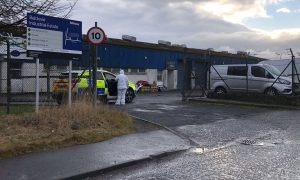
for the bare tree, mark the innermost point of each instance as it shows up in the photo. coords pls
(13, 12)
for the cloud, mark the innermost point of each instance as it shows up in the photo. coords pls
(202, 24)
(283, 10)
(235, 11)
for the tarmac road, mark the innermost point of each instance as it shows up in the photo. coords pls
(229, 142)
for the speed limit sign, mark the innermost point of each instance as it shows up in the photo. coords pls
(96, 35)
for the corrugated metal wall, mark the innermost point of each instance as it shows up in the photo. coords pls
(129, 57)
(118, 56)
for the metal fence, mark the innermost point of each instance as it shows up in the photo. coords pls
(195, 79)
(23, 82)
(18, 79)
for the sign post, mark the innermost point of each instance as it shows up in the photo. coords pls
(70, 84)
(95, 36)
(37, 85)
(51, 37)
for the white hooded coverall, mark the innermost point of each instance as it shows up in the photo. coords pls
(122, 87)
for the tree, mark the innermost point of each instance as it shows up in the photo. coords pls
(13, 12)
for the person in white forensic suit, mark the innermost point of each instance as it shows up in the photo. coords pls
(122, 87)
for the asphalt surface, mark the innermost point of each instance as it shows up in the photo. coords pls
(229, 142)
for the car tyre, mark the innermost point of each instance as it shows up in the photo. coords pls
(271, 92)
(129, 96)
(220, 91)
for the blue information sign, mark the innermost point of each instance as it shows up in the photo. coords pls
(53, 37)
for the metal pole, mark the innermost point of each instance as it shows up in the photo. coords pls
(90, 72)
(8, 81)
(70, 84)
(48, 81)
(184, 81)
(293, 71)
(37, 89)
(247, 77)
(95, 74)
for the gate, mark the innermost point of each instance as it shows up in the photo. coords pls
(193, 78)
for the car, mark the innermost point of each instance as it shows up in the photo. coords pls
(82, 83)
(261, 78)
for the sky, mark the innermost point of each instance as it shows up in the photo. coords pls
(264, 28)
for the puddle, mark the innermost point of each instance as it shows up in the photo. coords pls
(263, 144)
(189, 115)
(147, 110)
(167, 107)
(198, 150)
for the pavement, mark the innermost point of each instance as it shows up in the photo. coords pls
(86, 160)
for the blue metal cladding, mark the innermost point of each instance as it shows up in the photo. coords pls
(129, 57)
(117, 56)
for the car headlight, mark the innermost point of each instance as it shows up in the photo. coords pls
(283, 81)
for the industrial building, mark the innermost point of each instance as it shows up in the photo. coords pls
(141, 61)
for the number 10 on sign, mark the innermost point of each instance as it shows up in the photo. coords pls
(96, 35)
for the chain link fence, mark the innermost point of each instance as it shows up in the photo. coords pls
(201, 79)
(18, 78)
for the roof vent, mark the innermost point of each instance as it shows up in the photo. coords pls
(162, 42)
(128, 38)
(242, 53)
(176, 45)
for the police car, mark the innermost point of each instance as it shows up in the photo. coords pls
(82, 83)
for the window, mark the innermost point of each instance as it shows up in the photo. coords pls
(61, 68)
(15, 70)
(237, 70)
(257, 71)
(109, 76)
(137, 70)
(99, 76)
(115, 70)
(134, 70)
(142, 70)
(159, 75)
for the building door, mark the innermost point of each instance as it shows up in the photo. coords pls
(171, 79)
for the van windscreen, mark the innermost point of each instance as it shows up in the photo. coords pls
(272, 70)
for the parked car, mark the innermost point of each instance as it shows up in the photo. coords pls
(261, 77)
(81, 83)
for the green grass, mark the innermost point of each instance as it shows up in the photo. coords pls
(16, 109)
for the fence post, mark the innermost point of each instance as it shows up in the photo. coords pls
(293, 71)
(247, 77)
(48, 81)
(8, 82)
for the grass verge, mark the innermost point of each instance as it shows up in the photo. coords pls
(57, 127)
(16, 109)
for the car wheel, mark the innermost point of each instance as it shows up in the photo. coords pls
(103, 99)
(271, 92)
(60, 99)
(220, 91)
(129, 96)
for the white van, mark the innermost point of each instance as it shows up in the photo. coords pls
(230, 78)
